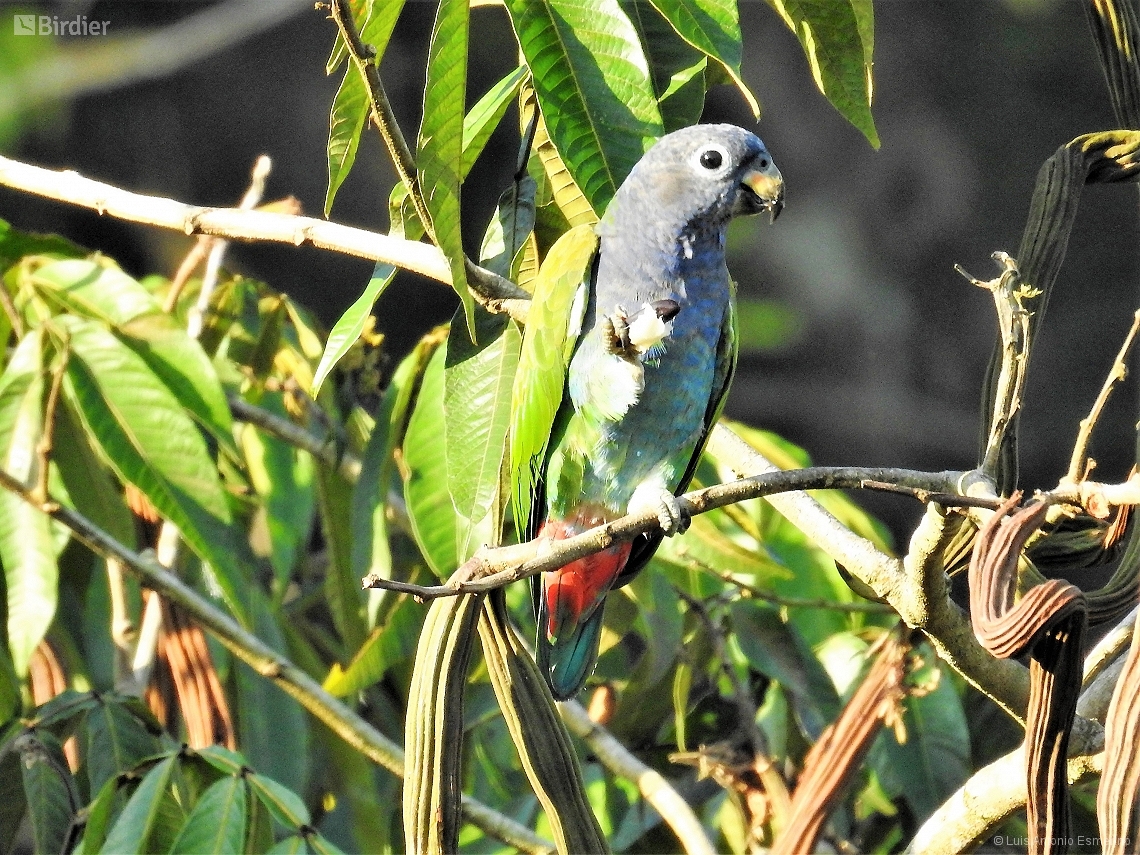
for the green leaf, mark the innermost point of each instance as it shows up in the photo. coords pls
(482, 119)
(222, 759)
(283, 478)
(293, 845)
(91, 489)
(387, 647)
(117, 741)
(50, 790)
(142, 430)
(775, 649)
(477, 411)
(97, 290)
(322, 845)
(13, 803)
(593, 84)
(838, 39)
(370, 549)
(26, 547)
(712, 27)
(276, 738)
(439, 153)
(15, 244)
(545, 354)
(425, 474)
(708, 545)
(351, 106)
(350, 111)
(137, 821)
(99, 814)
(217, 822)
(283, 804)
(676, 67)
(342, 586)
(350, 325)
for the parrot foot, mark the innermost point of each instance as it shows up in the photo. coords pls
(672, 515)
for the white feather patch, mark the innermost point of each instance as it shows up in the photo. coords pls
(616, 387)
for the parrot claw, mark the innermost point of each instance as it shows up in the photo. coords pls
(672, 515)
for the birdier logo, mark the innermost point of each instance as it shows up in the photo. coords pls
(51, 25)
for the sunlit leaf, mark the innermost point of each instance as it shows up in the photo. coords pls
(388, 645)
(26, 547)
(217, 823)
(482, 119)
(546, 348)
(425, 474)
(676, 67)
(713, 27)
(837, 37)
(593, 84)
(477, 408)
(350, 111)
(439, 153)
(350, 325)
(135, 824)
(351, 106)
(150, 442)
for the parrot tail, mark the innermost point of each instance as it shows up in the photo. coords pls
(570, 612)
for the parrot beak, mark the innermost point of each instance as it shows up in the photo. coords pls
(763, 188)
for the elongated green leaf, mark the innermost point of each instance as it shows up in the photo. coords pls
(99, 818)
(477, 411)
(222, 759)
(284, 479)
(276, 739)
(116, 742)
(425, 474)
(351, 107)
(217, 823)
(350, 111)
(15, 244)
(342, 586)
(387, 646)
(322, 845)
(546, 349)
(135, 824)
(439, 156)
(676, 67)
(94, 289)
(26, 548)
(482, 119)
(350, 325)
(91, 489)
(593, 85)
(150, 442)
(713, 27)
(838, 39)
(50, 790)
(370, 549)
(774, 648)
(285, 805)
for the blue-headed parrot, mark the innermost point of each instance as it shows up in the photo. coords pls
(654, 354)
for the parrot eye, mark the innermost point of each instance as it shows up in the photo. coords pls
(711, 158)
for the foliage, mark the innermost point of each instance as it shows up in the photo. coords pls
(720, 667)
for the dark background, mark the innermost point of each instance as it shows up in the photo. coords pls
(885, 346)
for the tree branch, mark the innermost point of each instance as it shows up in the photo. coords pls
(495, 292)
(354, 730)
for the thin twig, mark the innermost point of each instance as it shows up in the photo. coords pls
(493, 568)
(1078, 465)
(354, 730)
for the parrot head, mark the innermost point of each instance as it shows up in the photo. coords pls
(711, 173)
